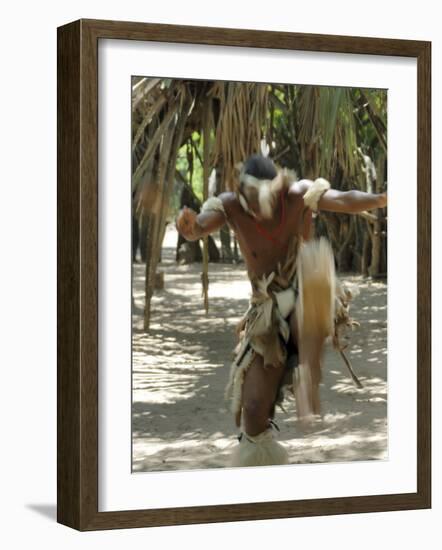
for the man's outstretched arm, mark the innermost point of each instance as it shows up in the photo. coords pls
(349, 202)
(193, 226)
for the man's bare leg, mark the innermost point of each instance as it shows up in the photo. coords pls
(259, 393)
(258, 446)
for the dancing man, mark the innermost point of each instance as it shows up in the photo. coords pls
(294, 293)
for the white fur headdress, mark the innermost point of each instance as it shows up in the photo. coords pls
(267, 189)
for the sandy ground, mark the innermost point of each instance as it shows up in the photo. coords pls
(180, 419)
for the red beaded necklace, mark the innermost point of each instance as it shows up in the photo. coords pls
(272, 235)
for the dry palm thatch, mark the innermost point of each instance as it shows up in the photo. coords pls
(327, 134)
(231, 118)
(241, 124)
(320, 134)
(332, 124)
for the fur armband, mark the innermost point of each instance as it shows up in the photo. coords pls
(313, 195)
(213, 204)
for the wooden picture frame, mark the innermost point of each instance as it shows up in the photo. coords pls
(77, 224)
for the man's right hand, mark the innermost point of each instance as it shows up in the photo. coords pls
(382, 200)
(187, 225)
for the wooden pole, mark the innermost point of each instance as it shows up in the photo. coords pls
(376, 235)
(206, 174)
(156, 229)
(166, 176)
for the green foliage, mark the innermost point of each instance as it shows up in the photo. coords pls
(192, 171)
(318, 130)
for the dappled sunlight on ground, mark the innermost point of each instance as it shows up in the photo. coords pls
(180, 419)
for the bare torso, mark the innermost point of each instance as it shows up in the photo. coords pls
(263, 244)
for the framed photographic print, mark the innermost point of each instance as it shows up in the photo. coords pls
(236, 340)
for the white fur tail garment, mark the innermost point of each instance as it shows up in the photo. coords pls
(316, 279)
(315, 313)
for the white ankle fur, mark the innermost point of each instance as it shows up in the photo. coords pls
(259, 450)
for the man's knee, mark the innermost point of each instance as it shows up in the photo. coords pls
(253, 408)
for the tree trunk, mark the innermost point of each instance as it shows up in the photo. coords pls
(156, 232)
(347, 231)
(148, 281)
(144, 236)
(226, 245)
(214, 255)
(236, 257)
(206, 174)
(365, 253)
(374, 269)
(375, 250)
(135, 236)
